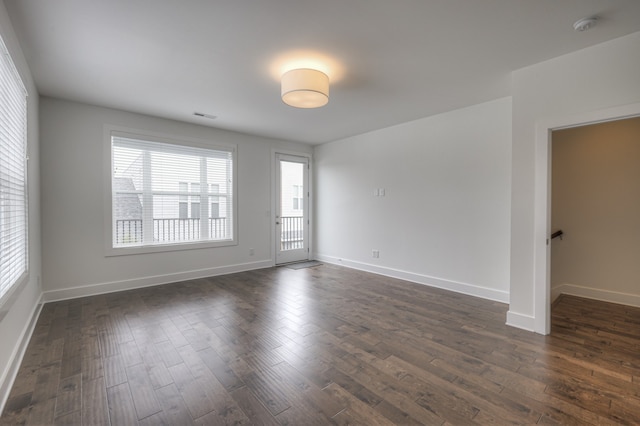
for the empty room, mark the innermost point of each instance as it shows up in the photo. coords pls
(301, 212)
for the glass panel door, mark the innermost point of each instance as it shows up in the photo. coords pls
(292, 204)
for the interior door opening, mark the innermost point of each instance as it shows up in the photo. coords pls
(594, 206)
(541, 321)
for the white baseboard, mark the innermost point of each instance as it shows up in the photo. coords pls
(595, 293)
(458, 287)
(114, 286)
(11, 371)
(525, 322)
(555, 293)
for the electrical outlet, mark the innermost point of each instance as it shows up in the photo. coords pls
(251, 252)
(375, 253)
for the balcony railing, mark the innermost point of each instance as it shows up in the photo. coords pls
(130, 231)
(291, 233)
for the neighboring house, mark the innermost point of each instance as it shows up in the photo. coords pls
(128, 212)
(292, 189)
(291, 205)
(128, 206)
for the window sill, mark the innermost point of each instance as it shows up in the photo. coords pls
(160, 248)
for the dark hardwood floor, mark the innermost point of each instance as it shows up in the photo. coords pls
(322, 345)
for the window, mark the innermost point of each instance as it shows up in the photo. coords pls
(13, 175)
(162, 194)
(298, 197)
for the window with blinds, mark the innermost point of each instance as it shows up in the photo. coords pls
(169, 194)
(13, 175)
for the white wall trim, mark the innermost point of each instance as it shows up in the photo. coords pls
(596, 294)
(542, 203)
(114, 286)
(458, 287)
(525, 322)
(11, 371)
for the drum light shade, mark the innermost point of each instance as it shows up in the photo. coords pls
(305, 88)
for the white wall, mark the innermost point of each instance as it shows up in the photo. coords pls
(18, 315)
(596, 202)
(444, 219)
(74, 261)
(579, 84)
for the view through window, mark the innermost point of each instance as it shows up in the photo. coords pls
(170, 194)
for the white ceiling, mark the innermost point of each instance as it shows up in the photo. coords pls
(389, 61)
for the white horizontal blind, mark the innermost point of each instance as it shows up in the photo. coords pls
(170, 194)
(13, 182)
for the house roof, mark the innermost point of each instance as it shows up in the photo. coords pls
(389, 62)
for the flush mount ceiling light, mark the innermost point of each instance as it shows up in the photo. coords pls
(305, 88)
(584, 24)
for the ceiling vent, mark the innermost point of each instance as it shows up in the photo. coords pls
(203, 115)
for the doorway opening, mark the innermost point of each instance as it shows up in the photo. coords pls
(542, 202)
(595, 205)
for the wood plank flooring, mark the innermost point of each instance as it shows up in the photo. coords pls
(323, 345)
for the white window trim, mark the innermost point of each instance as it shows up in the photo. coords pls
(112, 130)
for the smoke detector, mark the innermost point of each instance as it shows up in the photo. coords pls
(584, 24)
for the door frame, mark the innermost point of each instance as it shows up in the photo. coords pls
(274, 191)
(542, 201)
